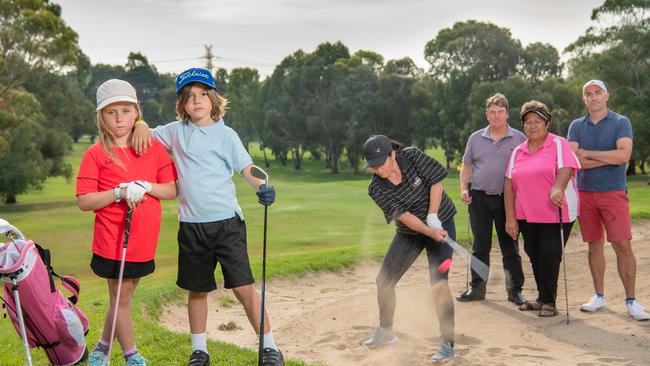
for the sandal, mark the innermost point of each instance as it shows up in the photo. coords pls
(530, 306)
(547, 311)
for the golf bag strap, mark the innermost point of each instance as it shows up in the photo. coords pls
(46, 257)
(68, 282)
(72, 285)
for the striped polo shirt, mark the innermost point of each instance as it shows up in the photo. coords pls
(419, 173)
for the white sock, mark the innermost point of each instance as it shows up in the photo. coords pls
(269, 342)
(199, 342)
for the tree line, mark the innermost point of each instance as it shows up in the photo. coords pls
(325, 103)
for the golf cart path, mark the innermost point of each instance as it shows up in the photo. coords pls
(323, 317)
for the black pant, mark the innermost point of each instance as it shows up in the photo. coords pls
(403, 251)
(544, 248)
(486, 210)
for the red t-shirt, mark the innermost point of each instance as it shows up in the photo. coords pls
(99, 173)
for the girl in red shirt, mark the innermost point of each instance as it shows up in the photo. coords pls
(112, 179)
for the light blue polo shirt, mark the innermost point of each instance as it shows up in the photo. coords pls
(205, 158)
(601, 136)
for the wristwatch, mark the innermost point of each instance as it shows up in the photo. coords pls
(116, 193)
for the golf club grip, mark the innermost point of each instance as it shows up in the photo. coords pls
(477, 265)
(127, 228)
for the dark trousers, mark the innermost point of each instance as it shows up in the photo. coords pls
(485, 211)
(403, 251)
(544, 248)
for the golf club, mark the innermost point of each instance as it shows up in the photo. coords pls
(566, 290)
(477, 265)
(127, 228)
(469, 241)
(259, 173)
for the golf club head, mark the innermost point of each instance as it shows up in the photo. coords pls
(259, 173)
(565, 321)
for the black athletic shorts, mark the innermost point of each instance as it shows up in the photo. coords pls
(108, 268)
(202, 245)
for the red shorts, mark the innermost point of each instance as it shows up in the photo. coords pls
(608, 210)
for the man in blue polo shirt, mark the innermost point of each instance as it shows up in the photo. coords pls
(602, 140)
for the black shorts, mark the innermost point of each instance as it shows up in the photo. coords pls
(109, 268)
(202, 245)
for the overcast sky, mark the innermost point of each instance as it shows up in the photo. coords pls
(260, 33)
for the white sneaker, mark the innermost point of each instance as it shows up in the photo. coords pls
(445, 353)
(380, 337)
(637, 311)
(595, 303)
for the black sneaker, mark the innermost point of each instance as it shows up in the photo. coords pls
(199, 358)
(516, 297)
(271, 357)
(473, 294)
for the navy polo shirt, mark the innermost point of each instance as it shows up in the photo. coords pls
(601, 136)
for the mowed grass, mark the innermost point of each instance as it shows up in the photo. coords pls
(320, 221)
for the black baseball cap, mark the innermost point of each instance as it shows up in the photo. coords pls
(376, 150)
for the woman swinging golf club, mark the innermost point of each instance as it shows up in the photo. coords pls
(407, 186)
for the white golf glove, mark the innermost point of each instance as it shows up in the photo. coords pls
(135, 190)
(433, 221)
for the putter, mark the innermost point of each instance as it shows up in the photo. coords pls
(259, 173)
(566, 290)
(127, 228)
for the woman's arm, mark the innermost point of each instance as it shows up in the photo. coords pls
(512, 228)
(557, 190)
(415, 224)
(435, 197)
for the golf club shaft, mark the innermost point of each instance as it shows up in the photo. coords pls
(127, 230)
(476, 264)
(261, 341)
(470, 242)
(21, 321)
(566, 290)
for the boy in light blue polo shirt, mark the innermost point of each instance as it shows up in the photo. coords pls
(212, 228)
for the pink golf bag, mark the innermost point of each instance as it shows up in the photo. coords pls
(42, 316)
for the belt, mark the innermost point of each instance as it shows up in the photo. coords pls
(487, 194)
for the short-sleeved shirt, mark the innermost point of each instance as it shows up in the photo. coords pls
(419, 173)
(489, 158)
(206, 158)
(533, 176)
(98, 173)
(601, 136)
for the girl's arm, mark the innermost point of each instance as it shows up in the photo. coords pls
(97, 200)
(164, 191)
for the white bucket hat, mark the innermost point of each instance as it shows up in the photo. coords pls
(113, 91)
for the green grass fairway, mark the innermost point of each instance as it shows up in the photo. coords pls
(319, 221)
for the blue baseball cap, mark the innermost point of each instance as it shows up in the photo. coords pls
(194, 75)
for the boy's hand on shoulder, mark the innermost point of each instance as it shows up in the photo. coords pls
(141, 138)
(266, 195)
